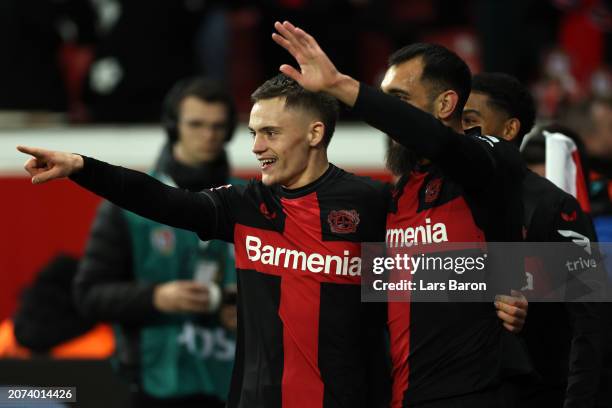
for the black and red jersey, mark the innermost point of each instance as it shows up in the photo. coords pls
(469, 193)
(304, 337)
(439, 350)
(565, 340)
(303, 333)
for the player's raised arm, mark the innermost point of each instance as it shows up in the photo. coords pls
(130, 189)
(406, 124)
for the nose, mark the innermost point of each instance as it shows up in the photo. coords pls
(259, 144)
(207, 132)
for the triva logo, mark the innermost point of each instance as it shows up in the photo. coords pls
(346, 265)
(422, 234)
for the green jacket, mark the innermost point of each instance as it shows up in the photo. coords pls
(167, 355)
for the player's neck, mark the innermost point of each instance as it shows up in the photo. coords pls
(454, 124)
(316, 167)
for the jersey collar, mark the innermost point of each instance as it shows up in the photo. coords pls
(474, 131)
(309, 188)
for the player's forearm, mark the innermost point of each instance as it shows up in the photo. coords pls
(145, 196)
(411, 127)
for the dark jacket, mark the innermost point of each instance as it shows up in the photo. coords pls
(564, 339)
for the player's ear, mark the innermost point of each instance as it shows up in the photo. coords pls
(316, 133)
(511, 128)
(446, 103)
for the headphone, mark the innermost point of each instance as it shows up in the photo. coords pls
(206, 89)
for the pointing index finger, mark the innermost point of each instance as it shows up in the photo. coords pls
(29, 150)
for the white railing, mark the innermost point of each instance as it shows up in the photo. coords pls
(354, 146)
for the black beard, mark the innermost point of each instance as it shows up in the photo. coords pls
(399, 160)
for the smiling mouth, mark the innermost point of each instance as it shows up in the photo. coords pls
(266, 163)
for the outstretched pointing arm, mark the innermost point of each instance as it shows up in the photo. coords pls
(129, 189)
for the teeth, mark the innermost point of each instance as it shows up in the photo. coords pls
(265, 162)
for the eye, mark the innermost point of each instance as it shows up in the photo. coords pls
(468, 121)
(195, 124)
(219, 127)
(252, 132)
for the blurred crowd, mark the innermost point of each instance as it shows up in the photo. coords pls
(112, 60)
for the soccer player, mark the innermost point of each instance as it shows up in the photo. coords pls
(564, 339)
(304, 339)
(443, 354)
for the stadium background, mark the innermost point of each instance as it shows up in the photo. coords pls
(89, 77)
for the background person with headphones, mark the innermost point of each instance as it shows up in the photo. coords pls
(171, 295)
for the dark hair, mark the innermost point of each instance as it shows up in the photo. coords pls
(323, 105)
(205, 89)
(507, 94)
(534, 151)
(442, 69)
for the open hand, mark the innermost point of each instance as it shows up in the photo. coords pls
(317, 73)
(46, 165)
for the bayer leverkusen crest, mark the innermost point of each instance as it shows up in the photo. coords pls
(343, 221)
(432, 191)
